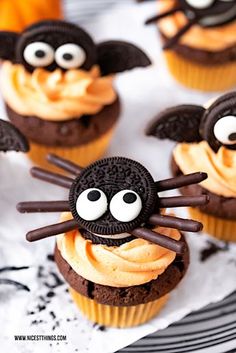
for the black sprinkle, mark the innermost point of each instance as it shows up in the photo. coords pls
(50, 257)
(57, 281)
(50, 294)
(212, 249)
(41, 307)
(52, 315)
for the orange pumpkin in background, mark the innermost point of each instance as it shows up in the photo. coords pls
(15, 15)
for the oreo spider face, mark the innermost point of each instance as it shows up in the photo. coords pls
(55, 44)
(218, 125)
(210, 12)
(113, 196)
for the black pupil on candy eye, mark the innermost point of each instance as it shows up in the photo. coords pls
(94, 195)
(129, 197)
(67, 56)
(40, 53)
(232, 137)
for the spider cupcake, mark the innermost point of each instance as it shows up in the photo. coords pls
(58, 88)
(206, 140)
(199, 41)
(118, 250)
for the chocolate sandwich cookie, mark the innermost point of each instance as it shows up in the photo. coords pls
(206, 139)
(11, 139)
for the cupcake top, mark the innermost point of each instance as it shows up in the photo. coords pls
(201, 24)
(206, 139)
(115, 219)
(55, 71)
(11, 139)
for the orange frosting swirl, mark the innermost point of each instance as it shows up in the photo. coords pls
(212, 39)
(220, 166)
(56, 95)
(132, 263)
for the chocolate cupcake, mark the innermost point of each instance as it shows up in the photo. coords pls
(199, 42)
(11, 139)
(58, 88)
(119, 251)
(207, 140)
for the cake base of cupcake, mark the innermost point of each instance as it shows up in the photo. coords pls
(222, 229)
(122, 306)
(82, 155)
(202, 77)
(83, 140)
(117, 316)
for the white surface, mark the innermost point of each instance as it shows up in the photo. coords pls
(144, 92)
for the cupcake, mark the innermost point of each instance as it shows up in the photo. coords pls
(119, 251)
(11, 139)
(199, 42)
(206, 140)
(57, 85)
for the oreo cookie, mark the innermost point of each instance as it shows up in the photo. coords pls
(58, 44)
(112, 196)
(11, 139)
(215, 125)
(180, 123)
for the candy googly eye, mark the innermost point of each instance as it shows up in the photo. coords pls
(38, 54)
(225, 130)
(91, 204)
(126, 205)
(200, 4)
(70, 56)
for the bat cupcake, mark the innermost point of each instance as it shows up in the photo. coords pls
(116, 247)
(199, 41)
(207, 140)
(57, 84)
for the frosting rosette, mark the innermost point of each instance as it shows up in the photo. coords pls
(212, 39)
(133, 263)
(220, 166)
(58, 95)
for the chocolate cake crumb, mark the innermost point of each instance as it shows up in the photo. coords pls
(50, 257)
(212, 249)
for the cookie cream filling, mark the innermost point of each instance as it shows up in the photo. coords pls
(113, 236)
(222, 18)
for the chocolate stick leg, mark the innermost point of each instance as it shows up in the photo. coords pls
(62, 163)
(182, 201)
(162, 15)
(159, 239)
(51, 177)
(43, 206)
(174, 40)
(53, 229)
(187, 225)
(180, 181)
